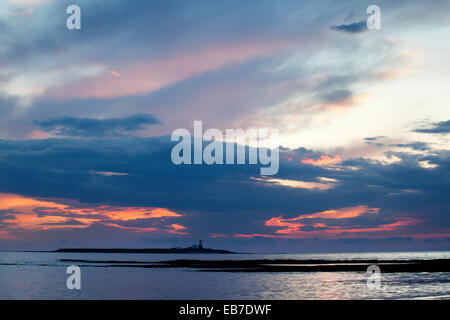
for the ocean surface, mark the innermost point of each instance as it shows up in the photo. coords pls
(42, 275)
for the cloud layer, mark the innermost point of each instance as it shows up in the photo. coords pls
(365, 198)
(87, 114)
(87, 127)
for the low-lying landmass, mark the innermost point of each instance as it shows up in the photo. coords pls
(195, 248)
(148, 250)
(281, 265)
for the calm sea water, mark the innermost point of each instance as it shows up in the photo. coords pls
(35, 275)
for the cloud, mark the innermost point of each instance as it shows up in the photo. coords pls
(88, 127)
(336, 96)
(271, 68)
(374, 138)
(418, 146)
(293, 229)
(31, 84)
(442, 127)
(277, 65)
(355, 27)
(33, 214)
(148, 76)
(217, 199)
(309, 185)
(323, 160)
(29, 2)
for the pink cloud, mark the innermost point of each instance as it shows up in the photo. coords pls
(324, 160)
(34, 214)
(292, 228)
(143, 77)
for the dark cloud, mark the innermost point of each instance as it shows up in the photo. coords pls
(88, 127)
(355, 27)
(212, 199)
(185, 29)
(374, 138)
(336, 96)
(71, 222)
(418, 146)
(220, 199)
(375, 141)
(350, 16)
(442, 127)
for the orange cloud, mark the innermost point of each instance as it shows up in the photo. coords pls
(5, 235)
(291, 228)
(384, 227)
(114, 73)
(17, 202)
(130, 213)
(280, 222)
(217, 235)
(34, 214)
(343, 213)
(324, 160)
(177, 229)
(293, 231)
(319, 225)
(136, 229)
(38, 134)
(254, 235)
(298, 184)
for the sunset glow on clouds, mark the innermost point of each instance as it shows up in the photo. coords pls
(293, 231)
(323, 160)
(309, 185)
(145, 77)
(32, 214)
(294, 228)
(87, 116)
(290, 228)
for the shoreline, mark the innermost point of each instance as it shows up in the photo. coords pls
(280, 265)
(146, 250)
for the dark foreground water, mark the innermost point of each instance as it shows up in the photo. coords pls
(35, 275)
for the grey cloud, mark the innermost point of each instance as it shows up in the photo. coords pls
(355, 27)
(442, 127)
(418, 146)
(336, 96)
(88, 127)
(218, 198)
(374, 138)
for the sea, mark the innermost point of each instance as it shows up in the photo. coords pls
(42, 275)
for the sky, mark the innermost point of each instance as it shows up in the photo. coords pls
(363, 119)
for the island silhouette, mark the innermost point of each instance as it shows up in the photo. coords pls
(192, 249)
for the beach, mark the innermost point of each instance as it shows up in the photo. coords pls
(42, 275)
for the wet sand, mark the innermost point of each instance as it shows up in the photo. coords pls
(281, 265)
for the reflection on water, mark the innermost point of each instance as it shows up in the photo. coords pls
(43, 276)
